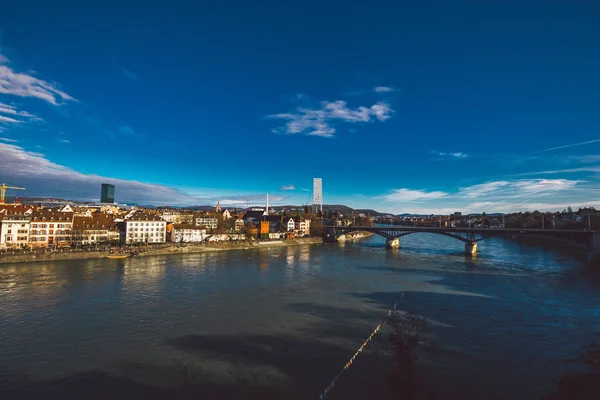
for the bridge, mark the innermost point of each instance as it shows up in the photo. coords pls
(586, 240)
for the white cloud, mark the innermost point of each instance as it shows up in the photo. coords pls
(65, 141)
(411, 195)
(320, 121)
(12, 110)
(288, 187)
(495, 196)
(24, 85)
(253, 200)
(384, 89)
(4, 139)
(8, 120)
(451, 154)
(42, 177)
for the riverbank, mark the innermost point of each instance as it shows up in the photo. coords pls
(151, 250)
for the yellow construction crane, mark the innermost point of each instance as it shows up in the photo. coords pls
(3, 188)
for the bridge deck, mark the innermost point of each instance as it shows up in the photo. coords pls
(457, 230)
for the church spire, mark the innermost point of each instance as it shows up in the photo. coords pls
(218, 207)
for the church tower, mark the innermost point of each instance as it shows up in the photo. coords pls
(218, 208)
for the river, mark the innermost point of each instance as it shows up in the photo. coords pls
(281, 322)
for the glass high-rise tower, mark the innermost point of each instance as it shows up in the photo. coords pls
(107, 195)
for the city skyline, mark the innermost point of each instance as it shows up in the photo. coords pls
(401, 108)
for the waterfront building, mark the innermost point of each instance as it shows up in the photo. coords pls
(142, 227)
(208, 220)
(50, 228)
(94, 229)
(14, 231)
(172, 216)
(254, 216)
(226, 215)
(291, 225)
(239, 224)
(180, 233)
(302, 226)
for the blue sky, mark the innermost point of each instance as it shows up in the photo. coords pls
(401, 107)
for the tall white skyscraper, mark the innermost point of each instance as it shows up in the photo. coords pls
(318, 194)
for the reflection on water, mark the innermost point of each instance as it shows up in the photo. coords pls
(288, 318)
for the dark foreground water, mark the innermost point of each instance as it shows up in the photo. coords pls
(281, 322)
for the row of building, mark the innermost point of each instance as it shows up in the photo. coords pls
(29, 226)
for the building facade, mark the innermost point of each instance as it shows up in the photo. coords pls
(142, 227)
(209, 221)
(14, 231)
(50, 228)
(173, 217)
(94, 229)
(107, 193)
(179, 233)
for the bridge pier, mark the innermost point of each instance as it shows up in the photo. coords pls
(470, 248)
(341, 238)
(392, 243)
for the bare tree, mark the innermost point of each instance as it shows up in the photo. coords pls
(407, 341)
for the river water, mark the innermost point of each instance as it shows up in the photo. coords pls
(281, 322)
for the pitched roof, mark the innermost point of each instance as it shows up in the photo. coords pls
(144, 216)
(96, 222)
(272, 218)
(51, 216)
(253, 214)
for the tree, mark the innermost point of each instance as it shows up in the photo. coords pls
(316, 229)
(407, 341)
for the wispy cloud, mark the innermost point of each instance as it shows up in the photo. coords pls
(12, 110)
(9, 140)
(9, 114)
(130, 74)
(122, 131)
(500, 190)
(242, 199)
(128, 131)
(65, 141)
(45, 178)
(384, 89)
(592, 158)
(494, 196)
(288, 187)
(591, 168)
(24, 85)
(451, 154)
(401, 195)
(8, 120)
(321, 121)
(569, 145)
